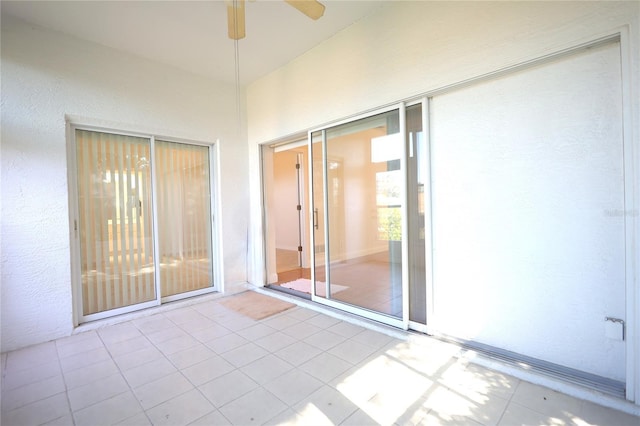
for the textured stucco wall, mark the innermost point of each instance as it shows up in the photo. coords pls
(526, 170)
(46, 76)
(408, 48)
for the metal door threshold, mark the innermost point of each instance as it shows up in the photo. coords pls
(602, 384)
(286, 290)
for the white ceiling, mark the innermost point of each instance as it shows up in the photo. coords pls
(192, 35)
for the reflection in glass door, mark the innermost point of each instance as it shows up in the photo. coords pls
(358, 193)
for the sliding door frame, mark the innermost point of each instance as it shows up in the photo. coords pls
(426, 205)
(216, 267)
(216, 262)
(402, 322)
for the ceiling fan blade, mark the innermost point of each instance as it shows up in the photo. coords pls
(312, 8)
(235, 19)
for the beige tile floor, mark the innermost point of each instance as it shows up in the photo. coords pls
(203, 364)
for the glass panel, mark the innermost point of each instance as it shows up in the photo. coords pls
(361, 185)
(114, 196)
(317, 148)
(417, 172)
(184, 217)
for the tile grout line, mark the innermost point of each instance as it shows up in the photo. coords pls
(509, 402)
(165, 357)
(72, 411)
(197, 387)
(66, 386)
(295, 368)
(111, 357)
(260, 386)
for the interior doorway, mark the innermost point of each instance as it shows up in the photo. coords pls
(287, 216)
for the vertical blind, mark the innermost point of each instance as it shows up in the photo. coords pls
(184, 217)
(115, 221)
(114, 197)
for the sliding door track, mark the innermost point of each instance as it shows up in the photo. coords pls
(296, 293)
(602, 384)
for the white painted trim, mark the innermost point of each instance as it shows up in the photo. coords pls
(261, 250)
(118, 311)
(365, 313)
(155, 237)
(187, 295)
(74, 236)
(325, 210)
(404, 219)
(631, 158)
(107, 126)
(428, 208)
(215, 189)
(289, 145)
(360, 116)
(311, 213)
(285, 140)
(416, 326)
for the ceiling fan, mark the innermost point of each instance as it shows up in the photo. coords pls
(235, 14)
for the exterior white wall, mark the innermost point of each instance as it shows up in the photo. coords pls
(526, 181)
(46, 76)
(410, 48)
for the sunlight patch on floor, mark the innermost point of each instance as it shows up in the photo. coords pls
(384, 389)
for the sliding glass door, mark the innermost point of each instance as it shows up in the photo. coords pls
(184, 217)
(143, 226)
(368, 185)
(358, 191)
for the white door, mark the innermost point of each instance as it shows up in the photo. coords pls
(528, 202)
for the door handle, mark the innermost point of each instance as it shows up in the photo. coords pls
(315, 218)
